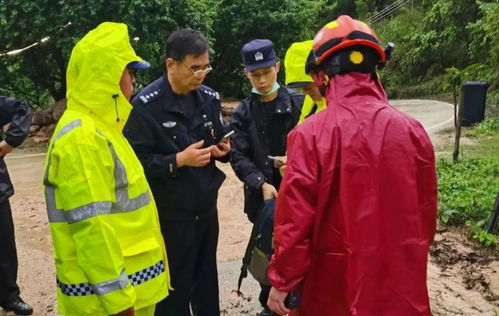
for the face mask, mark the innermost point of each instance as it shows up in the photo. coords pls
(275, 87)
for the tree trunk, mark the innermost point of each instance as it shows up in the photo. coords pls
(455, 154)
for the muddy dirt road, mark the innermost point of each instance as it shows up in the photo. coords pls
(462, 281)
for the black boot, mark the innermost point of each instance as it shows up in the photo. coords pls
(265, 312)
(18, 306)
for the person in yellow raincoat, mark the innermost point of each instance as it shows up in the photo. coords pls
(295, 62)
(109, 253)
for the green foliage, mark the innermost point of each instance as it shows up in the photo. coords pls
(485, 31)
(38, 74)
(331, 9)
(467, 189)
(362, 8)
(488, 127)
(359, 9)
(437, 35)
(407, 59)
(492, 107)
(478, 233)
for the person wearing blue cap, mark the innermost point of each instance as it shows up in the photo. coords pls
(176, 130)
(262, 122)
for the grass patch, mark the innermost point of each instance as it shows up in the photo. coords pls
(468, 188)
(471, 147)
(486, 128)
(487, 146)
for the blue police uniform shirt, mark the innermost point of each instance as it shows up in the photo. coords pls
(158, 129)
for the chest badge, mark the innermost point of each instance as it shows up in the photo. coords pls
(169, 124)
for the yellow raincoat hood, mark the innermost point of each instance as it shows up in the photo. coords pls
(294, 62)
(95, 68)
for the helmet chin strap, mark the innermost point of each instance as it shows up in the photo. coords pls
(321, 80)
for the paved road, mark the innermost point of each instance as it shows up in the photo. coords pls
(434, 115)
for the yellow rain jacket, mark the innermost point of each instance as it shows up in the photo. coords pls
(108, 249)
(311, 107)
(294, 65)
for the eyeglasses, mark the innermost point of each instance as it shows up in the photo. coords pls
(201, 72)
(198, 73)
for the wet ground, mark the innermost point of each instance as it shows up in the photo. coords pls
(461, 279)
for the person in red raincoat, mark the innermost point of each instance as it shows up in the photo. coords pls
(356, 211)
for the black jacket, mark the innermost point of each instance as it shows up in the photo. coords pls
(157, 130)
(18, 114)
(251, 144)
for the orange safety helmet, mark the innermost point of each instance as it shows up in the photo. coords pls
(342, 33)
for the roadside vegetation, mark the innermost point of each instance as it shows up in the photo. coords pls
(432, 37)
(468, 188)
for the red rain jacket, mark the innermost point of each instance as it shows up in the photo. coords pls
(356, 210)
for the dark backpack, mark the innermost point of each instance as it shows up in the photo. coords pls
(259, 249)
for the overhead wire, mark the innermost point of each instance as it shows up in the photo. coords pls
(37, 43)
(387, 11)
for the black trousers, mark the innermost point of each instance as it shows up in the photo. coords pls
(8, 255)
(264, 294)
(191, 247)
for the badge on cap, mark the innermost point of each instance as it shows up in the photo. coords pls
(258, 56)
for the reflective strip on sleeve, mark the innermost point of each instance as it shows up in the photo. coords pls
(123, 202)
(103, 288)
(78, 214)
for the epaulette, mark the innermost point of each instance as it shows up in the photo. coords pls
(210, 92)
(146, 97)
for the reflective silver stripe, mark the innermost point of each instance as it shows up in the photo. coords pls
(63, 131)
(68, 128)
(123, 202)
(106, 287)
(49, 188)
(86, 211)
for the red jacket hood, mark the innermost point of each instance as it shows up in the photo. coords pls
(352, 87)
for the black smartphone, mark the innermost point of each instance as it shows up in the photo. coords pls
(275, 159)
(226, 136)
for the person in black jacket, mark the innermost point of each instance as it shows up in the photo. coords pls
(262, 122)
(15, 116)
(175, 129)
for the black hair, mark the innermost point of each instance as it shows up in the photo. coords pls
(185, 42)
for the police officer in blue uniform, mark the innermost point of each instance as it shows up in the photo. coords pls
(17, 114)
(175, 129)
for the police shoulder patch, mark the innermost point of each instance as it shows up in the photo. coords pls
(146, 97)
(210, 92)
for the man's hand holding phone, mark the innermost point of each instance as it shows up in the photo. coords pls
(279, 161)
(222, 148)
